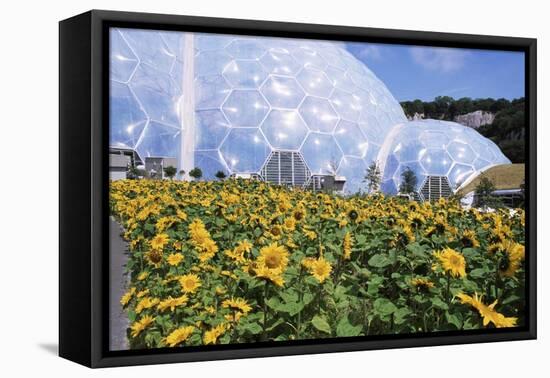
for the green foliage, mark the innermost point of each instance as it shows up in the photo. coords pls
(196, 173)
(220, 175)
(170, 172)
(408, 181)
(484, 193)
(373, 177)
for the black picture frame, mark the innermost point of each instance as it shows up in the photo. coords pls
(83, 182)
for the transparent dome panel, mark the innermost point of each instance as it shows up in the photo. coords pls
(350, 138)
(251, 48)
(309, 57)
(436, 162)
(353, 170)
(279, 61)
(245, 150)
(122, 61)
(284, 129)
(245, 108)
(210, 91)
(318, 114)
(210, 162)
(418, 170)
(211, 62)
(150, 47)
(347, 105)
(321, 153)
(158, 140)
(247, 74)
(126, 118)
(157, 93)
(461, 152)
(459, 174)
(282, 92)
(211, 127)
(315, 82)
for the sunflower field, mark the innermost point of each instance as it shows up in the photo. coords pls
(240, 261)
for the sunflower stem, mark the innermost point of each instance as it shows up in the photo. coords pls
(264, 325)
(448, 289)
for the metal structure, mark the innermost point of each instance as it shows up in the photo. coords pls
(282, 109)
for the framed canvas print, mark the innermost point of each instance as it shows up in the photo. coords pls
(233, 188)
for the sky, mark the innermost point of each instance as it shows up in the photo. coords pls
(415, 72)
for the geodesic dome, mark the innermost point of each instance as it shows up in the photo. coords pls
(251, 96)
(432, 148)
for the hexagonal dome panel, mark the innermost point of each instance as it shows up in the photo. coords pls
(123, 61)
(353, 169)
(210, 129)
(350, 138)
(150, 47)
(461, 152)
(459, 174)
(211, 91)
(245, 150)
(321, 153)
(248, 48)
(315, 82)
(319, 114)
(245, 108)
(284, 129)
(211, 62)
(437, 162)
(126, 118)
(282, 92)
(280, 62)
(244, 74)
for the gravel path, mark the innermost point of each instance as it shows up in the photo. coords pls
(118, 321)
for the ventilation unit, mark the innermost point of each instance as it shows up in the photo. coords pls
(285, 168)
(435, 187)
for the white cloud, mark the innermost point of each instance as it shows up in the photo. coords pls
(439, 58)
(369, 52)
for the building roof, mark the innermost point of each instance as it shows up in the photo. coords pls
(505, 176)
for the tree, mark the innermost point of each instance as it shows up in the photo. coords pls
(196, 173)
(372, 177)
(485, 193)
(221, 175)
(408, 181)
(170, 172)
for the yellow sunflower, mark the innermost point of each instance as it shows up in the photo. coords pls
(320, 269)
(127, 297)
(154, 257)
(179, 336)
(172, 303)
(487, 312)
(211, 336)
(469, 239)
(272, 275)
(514, 254)
(422, 283)
(452, 262)
(159, 241)
(237, 304)
(189, 283)
(346, 246)
(146, 303)
(141, 324)
(273, 257)
(174, 259)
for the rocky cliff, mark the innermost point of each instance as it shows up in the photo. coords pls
(475, 119)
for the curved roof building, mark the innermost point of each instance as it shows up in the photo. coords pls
(285, 109)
